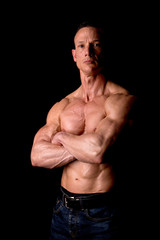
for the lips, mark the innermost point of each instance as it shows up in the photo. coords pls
(88, 61)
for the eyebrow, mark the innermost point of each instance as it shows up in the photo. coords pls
(96, 40)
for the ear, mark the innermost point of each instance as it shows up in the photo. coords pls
(74, 54)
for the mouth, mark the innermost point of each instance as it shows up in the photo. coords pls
(88, 61)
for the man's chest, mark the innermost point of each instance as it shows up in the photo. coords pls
(79, 117)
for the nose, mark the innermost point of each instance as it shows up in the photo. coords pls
(89, 51)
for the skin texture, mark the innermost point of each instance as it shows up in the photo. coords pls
(85, 124)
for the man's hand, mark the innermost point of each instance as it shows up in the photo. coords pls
(56, 138)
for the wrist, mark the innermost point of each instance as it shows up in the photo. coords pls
(60, 136)
(57, 138)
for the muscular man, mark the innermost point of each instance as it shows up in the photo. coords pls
(78, 132)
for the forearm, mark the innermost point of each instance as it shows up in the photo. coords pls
(90, 147)
(48, 155)
(84, 148)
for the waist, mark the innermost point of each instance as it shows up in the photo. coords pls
(81, 177)
(86, 201)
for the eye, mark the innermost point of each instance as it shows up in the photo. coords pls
(81, 45)
(97, 45)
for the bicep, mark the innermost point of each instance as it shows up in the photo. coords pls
(117, 109)
(108, 129)
(46, 133)
(118, 106)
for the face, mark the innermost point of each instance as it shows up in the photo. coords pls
(88, 50)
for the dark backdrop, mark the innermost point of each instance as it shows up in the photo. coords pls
(41, 72)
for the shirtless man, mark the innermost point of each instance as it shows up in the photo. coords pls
(78, 132)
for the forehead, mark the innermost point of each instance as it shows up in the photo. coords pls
(87, 33)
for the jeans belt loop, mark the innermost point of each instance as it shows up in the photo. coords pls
(65, 201)
(81, 204)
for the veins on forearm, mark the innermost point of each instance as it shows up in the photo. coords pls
(83, 147)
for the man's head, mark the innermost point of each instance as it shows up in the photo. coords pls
(89, 45)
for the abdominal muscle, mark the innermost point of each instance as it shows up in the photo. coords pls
(79, 177)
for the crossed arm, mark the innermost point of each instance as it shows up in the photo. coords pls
(46, 154)
(53, 148)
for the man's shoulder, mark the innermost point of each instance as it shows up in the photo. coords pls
(56, 109)
(59, 106)
(118, 96)
(114, 88)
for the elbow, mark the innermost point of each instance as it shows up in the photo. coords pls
(97, 156)
(98, 160)
(34, 156)
(97, 150)
(34, 160)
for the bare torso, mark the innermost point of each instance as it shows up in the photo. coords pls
(79, 118)
(81, 127)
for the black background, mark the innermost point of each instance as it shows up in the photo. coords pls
(39, 71)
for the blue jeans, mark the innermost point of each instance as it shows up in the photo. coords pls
(94, 224)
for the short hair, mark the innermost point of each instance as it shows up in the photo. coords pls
(94, 24)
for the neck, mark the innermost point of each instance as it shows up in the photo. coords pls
(92, 86)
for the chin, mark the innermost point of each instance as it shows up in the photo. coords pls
(92, 71)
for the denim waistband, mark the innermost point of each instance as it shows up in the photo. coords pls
(86, 195)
